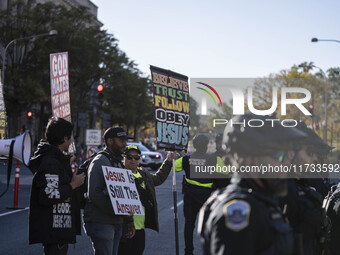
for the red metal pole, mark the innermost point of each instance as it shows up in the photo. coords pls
(16, 185)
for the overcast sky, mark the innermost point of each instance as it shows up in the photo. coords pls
(224, 38)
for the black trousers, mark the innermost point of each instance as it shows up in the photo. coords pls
(134, 245)
(193, 200)
(55, 249)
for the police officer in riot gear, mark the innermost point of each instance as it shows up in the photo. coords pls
(323, 184)
(245, 218)
(320, 181)
(303, 204)
(195, 190)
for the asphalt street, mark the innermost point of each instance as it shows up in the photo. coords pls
(14, 223)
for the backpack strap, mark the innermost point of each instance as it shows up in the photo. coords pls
(330, 196)
(113, 160)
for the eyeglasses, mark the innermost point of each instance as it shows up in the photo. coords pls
(278, 155)
(135, 157)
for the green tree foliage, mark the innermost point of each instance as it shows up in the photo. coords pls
(94, 56)
(128, 96)
(298, 76)
(334, 77)
(334, 100)
(306, 75)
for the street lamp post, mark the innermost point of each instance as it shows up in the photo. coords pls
(326, 102)
(51, 33)
(332, 121)
(324, 40)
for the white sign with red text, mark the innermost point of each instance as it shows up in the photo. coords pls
(122, 190)
(60, 89)
(60, 96)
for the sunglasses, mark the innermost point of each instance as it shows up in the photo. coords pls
(278, 155)
(135, 157)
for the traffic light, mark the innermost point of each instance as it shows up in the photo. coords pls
(311, 109)
(29, 121)
(100, 89)
(317, 125)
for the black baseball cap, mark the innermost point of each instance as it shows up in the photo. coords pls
(130, 148)
(113, 132)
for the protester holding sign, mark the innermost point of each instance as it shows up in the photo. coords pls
(145, 183)
(172, 118)
(54, 216)
(101, 223)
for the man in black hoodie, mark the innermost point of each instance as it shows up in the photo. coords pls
(54, 215)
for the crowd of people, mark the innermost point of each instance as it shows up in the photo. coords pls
(55, 215)
(240, 212)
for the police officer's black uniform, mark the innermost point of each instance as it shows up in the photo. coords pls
(244, 219)
(305, 214)
(332, 206)
(195, 190)
(195, 193)
(303, 206)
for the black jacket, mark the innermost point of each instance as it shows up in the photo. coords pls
(152, 180)
(305, 214)
(333, 212)
(54, 215)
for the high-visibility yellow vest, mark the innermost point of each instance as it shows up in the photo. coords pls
(179, 167)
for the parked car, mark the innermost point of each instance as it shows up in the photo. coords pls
(151, 159)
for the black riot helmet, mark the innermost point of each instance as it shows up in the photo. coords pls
(312, 138)
(251, 135)
(200, 142)
(320, 146)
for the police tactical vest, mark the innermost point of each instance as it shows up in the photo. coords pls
(199, 161)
